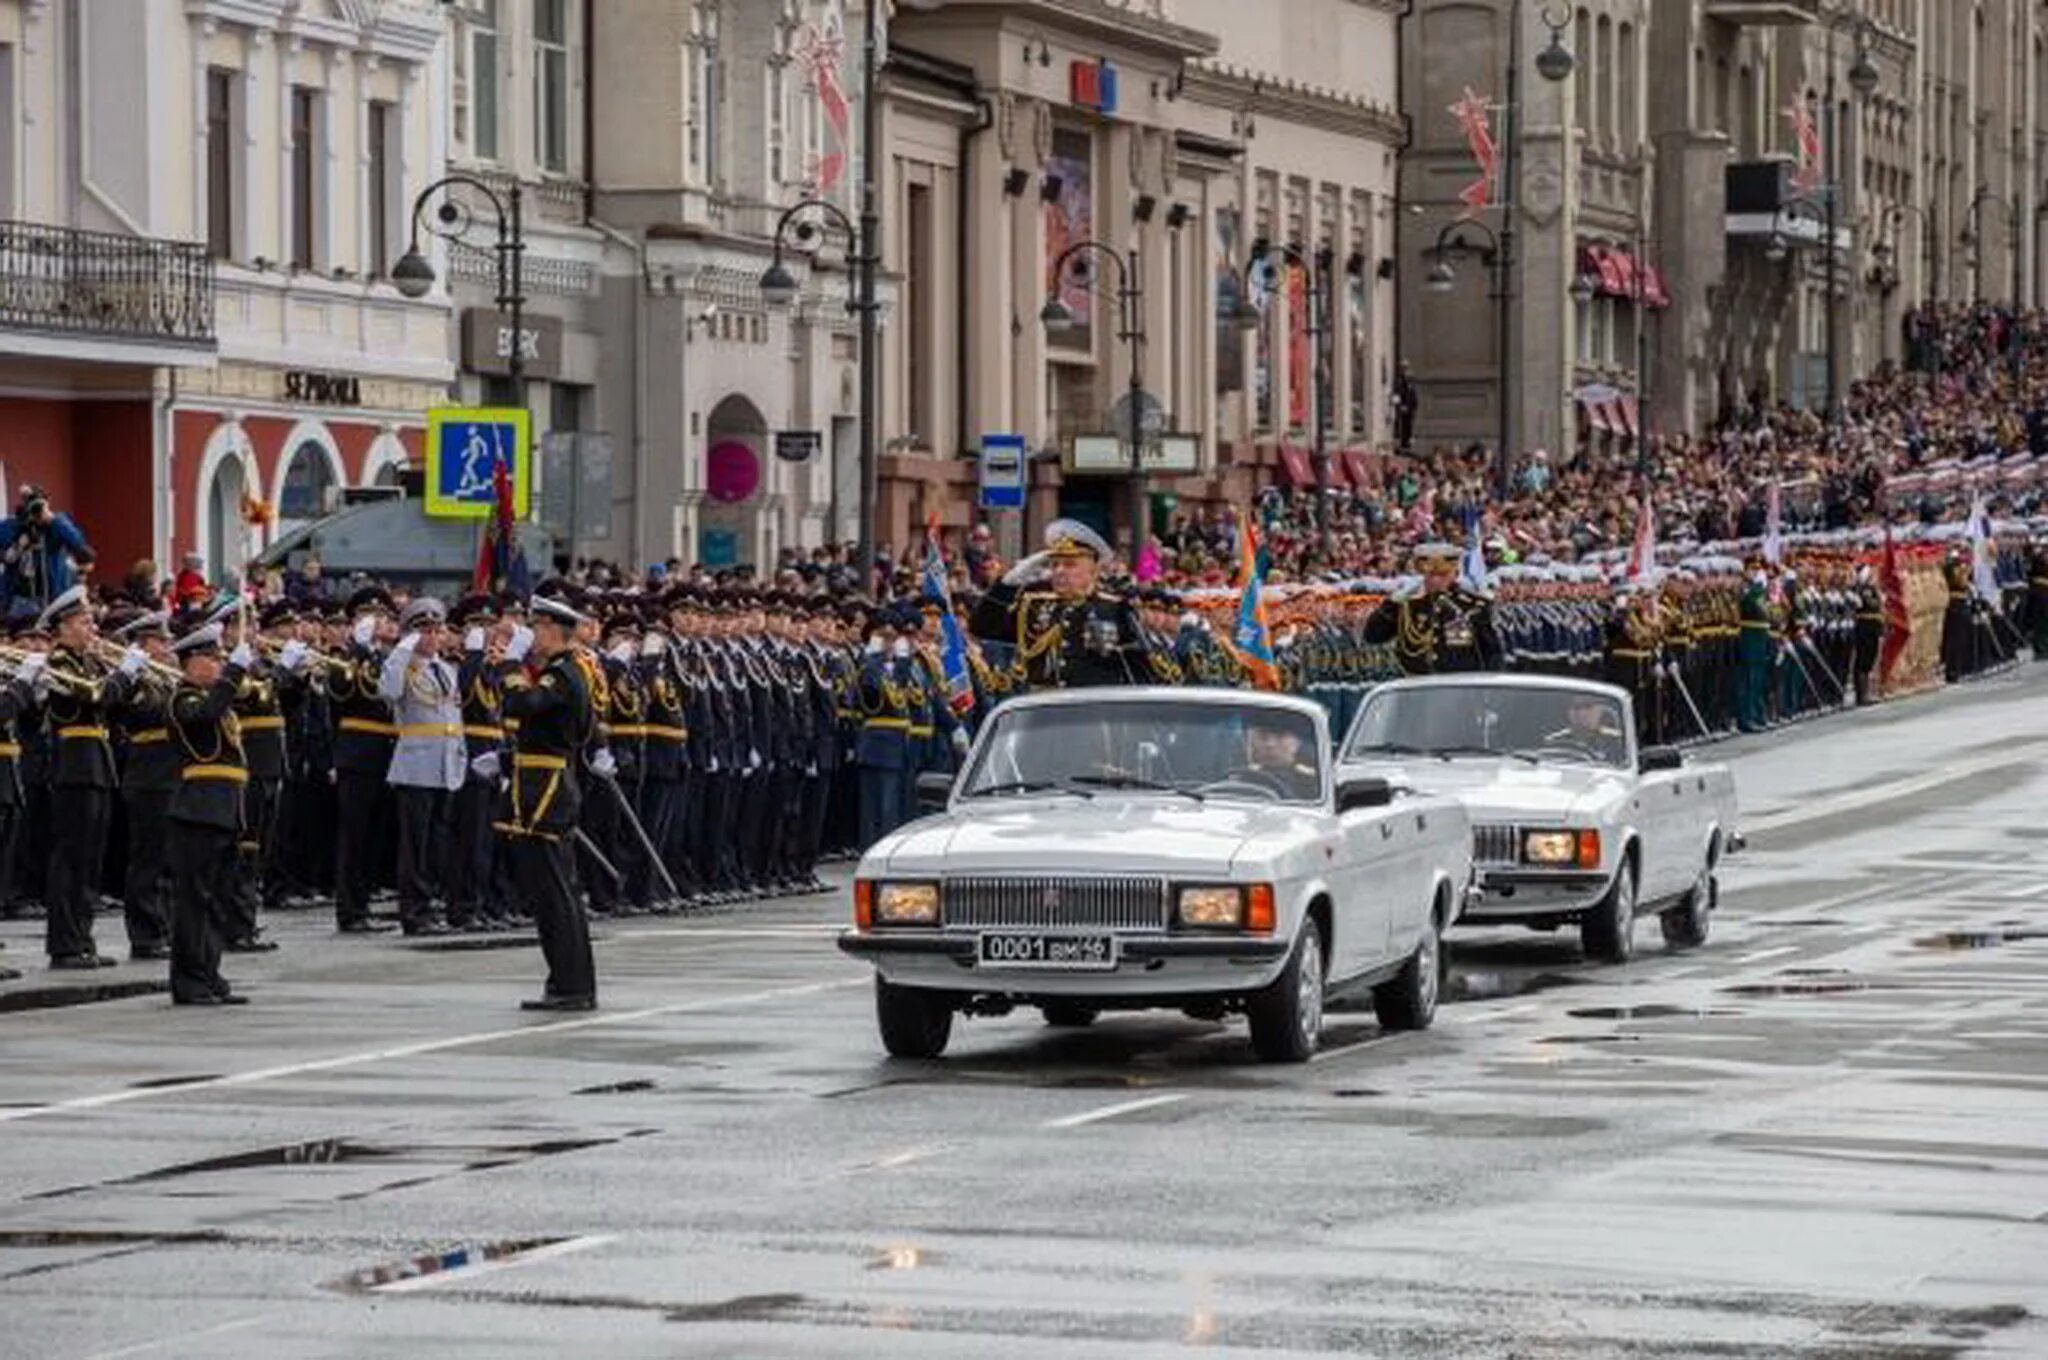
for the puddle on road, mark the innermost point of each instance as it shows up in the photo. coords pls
(1651, 1012)
(33, 1239)
(903, 1258)
(1809, 986)
(1977, 939)
(617, 1088)
(1811, 922)
(1591, 1039)
(1357, 1092)
(744, 1308)
(1478, 986)
(162, 1083)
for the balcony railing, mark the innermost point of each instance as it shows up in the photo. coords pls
(65, 281)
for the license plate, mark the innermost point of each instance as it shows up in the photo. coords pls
(1081, 953)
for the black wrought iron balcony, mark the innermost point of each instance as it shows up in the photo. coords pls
(102, 285)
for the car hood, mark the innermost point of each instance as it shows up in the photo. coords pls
(1505, 790)
(1108, 835)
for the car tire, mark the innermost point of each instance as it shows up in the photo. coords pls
(1608, 932)
(1408, 999)
(1686, 925)
(1067, 1015)
(915, 1021)
(1287, 1017)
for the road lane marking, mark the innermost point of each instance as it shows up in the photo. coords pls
(143, 1347)
(413, 1284)
(377, 1055)
(1814, 810)
(1760, 955)
(1124, 1107)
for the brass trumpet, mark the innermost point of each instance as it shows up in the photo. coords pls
(74, 686)
(111, 652)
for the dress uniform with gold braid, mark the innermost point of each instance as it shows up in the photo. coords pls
(205, 820)
(364, 738)
(1063, 642)
(1437, 632)
(149, 780)
(469, 885)
(543, 800)
(259, 712)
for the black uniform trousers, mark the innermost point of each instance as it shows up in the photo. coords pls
(422, 817)
(658, 799)
(471, 894)
(259, 812)
(541, 867)
(600, 822)
(79, 818)
(203, 860)
(146, 891)
(357, 794)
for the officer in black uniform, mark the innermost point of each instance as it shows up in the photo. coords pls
(206, 815)
(82, 690)
(468, 883)
(550, 699)
(1067, 630)
(1870, 626)
(259, 713)
(364, 738)
(1441, 627)
(149, 779)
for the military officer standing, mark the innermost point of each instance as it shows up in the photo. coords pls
(149, 779)
(1870, 626)
(205, 816)
(1440, 628)
(550, 700)
(431, 759)
(469, 888)
(1066, 629)
(363, 741)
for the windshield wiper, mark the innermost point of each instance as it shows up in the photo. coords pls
(1446, 752)
(1028, 786)
(1127, 781)
(1391, 748)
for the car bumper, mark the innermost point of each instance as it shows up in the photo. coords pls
(1520, 894)
(1147, 965)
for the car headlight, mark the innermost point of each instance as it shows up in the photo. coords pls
(1562, 849)
(906, 904)
(1212, 907)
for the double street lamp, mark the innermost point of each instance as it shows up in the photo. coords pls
(1072, 267)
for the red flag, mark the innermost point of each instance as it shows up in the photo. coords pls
(1806, 135)
(1898, 624)
(494, 545)
(822, 48)
(1473, 115)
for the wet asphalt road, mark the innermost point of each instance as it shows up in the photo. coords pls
(1826, 1134)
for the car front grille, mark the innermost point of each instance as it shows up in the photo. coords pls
(1496, 845)
(1048, 903)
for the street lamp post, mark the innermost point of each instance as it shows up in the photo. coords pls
(1863, 79)
(1452, 244)
(779, 288)
(413, 276)
(1778, 248)
(1130, 328)
(1318, 272)
(1973, 236)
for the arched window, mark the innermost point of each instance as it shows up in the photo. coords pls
(308, 480)
(227, 540)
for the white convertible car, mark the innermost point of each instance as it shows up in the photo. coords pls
(1123, 849)
(1570, 822)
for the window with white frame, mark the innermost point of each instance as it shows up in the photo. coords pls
(476, 77)
(776, 92)
(700, 94)
(551, 20)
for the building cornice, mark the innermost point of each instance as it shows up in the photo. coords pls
(1137, 26)
(1239, 90)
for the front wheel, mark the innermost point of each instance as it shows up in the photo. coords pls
(1287, 1017)
(1608, 932)
(1408, 999)
(915, 1022)
(1686, 925)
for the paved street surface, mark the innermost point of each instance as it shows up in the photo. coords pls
(1824, 1135)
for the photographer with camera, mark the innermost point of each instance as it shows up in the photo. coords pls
(39, 549)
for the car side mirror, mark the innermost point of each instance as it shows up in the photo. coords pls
(934, 790)
(1364, 791)
(1654, 758)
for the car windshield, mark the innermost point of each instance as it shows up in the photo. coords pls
(1249, 752)
(1532, 722)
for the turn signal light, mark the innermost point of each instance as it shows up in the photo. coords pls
(863, 903)
(1589, 849)
(1258, 909)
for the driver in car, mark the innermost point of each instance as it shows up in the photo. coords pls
(1273, 760)
(1589, 724)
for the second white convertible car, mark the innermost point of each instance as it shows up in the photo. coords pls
(1119, 849)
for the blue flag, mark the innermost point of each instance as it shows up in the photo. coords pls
(952, 646)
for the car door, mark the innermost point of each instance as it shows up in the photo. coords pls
(1660, 797)
(1367, 885)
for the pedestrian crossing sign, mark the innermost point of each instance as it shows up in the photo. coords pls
(465, 445)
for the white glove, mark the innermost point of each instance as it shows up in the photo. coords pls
(521, 643)
(30, 672)
(602, 765)
(652, 645)
(1031, 569)
(623, 653)
(960, 741)
(365, 630)
(408, 644)
(473, 640)
(292, 655)
(485, 766)
(132, 662)
(242, 657)
(753, 759)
